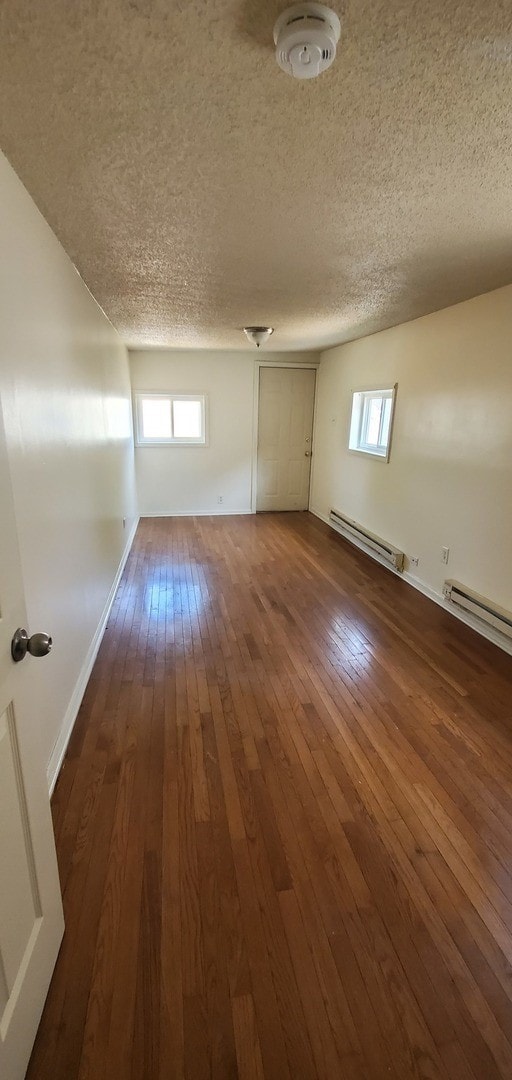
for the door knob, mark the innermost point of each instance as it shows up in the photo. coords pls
(307, 453)
(37, 645)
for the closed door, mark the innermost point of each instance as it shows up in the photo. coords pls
(285, 429)
(31, 922)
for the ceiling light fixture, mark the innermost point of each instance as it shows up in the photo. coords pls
(258, 334)
(305, 37)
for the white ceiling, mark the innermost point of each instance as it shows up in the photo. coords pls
(198, 188)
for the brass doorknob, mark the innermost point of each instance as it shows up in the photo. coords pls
(307, 453)
(37, 645)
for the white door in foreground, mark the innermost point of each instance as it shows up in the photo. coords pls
(285, 427)
(31, 922)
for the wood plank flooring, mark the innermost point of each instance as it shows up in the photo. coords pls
(284, 823)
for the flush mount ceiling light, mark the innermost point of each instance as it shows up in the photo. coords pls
(306, 36)
(258, 334)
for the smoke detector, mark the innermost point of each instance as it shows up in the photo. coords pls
(306, 36)
(258, 334)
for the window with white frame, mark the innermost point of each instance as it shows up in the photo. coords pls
(170, 419)
(371, 421)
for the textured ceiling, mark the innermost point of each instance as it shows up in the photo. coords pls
(198, 188)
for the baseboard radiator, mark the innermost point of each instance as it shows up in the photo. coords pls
(355, 532)
(479, 605)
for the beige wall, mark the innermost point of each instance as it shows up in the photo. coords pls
(449, 479)
(189, 480)
(65, 395)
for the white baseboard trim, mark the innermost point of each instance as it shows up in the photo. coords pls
(68, 723)
(357, 543)
(466, 617)
(463, 616)
(196, 513)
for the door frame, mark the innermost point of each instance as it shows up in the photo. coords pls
(258, 364)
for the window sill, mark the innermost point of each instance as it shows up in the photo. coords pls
(369, 454)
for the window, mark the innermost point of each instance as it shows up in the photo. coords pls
(371, 421)
(170, 419)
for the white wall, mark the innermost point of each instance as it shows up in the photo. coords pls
(65, 393)
(449, 479)
(189, 480)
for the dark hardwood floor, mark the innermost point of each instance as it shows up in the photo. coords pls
(284, 823)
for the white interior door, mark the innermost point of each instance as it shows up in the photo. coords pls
(285, 429)
(31, 921)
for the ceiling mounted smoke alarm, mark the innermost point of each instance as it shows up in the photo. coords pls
(306, 36)
(258, 334)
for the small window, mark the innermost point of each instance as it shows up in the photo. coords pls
(371, 421)
(170, 419)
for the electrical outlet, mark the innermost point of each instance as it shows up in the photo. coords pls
(414, 560)
(220, 499)
(445, 554)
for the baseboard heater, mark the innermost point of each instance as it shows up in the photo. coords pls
(355, 532)
(479, 605)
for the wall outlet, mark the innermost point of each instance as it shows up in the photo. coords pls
(414, 560)
(445, 554)
(220, 499)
